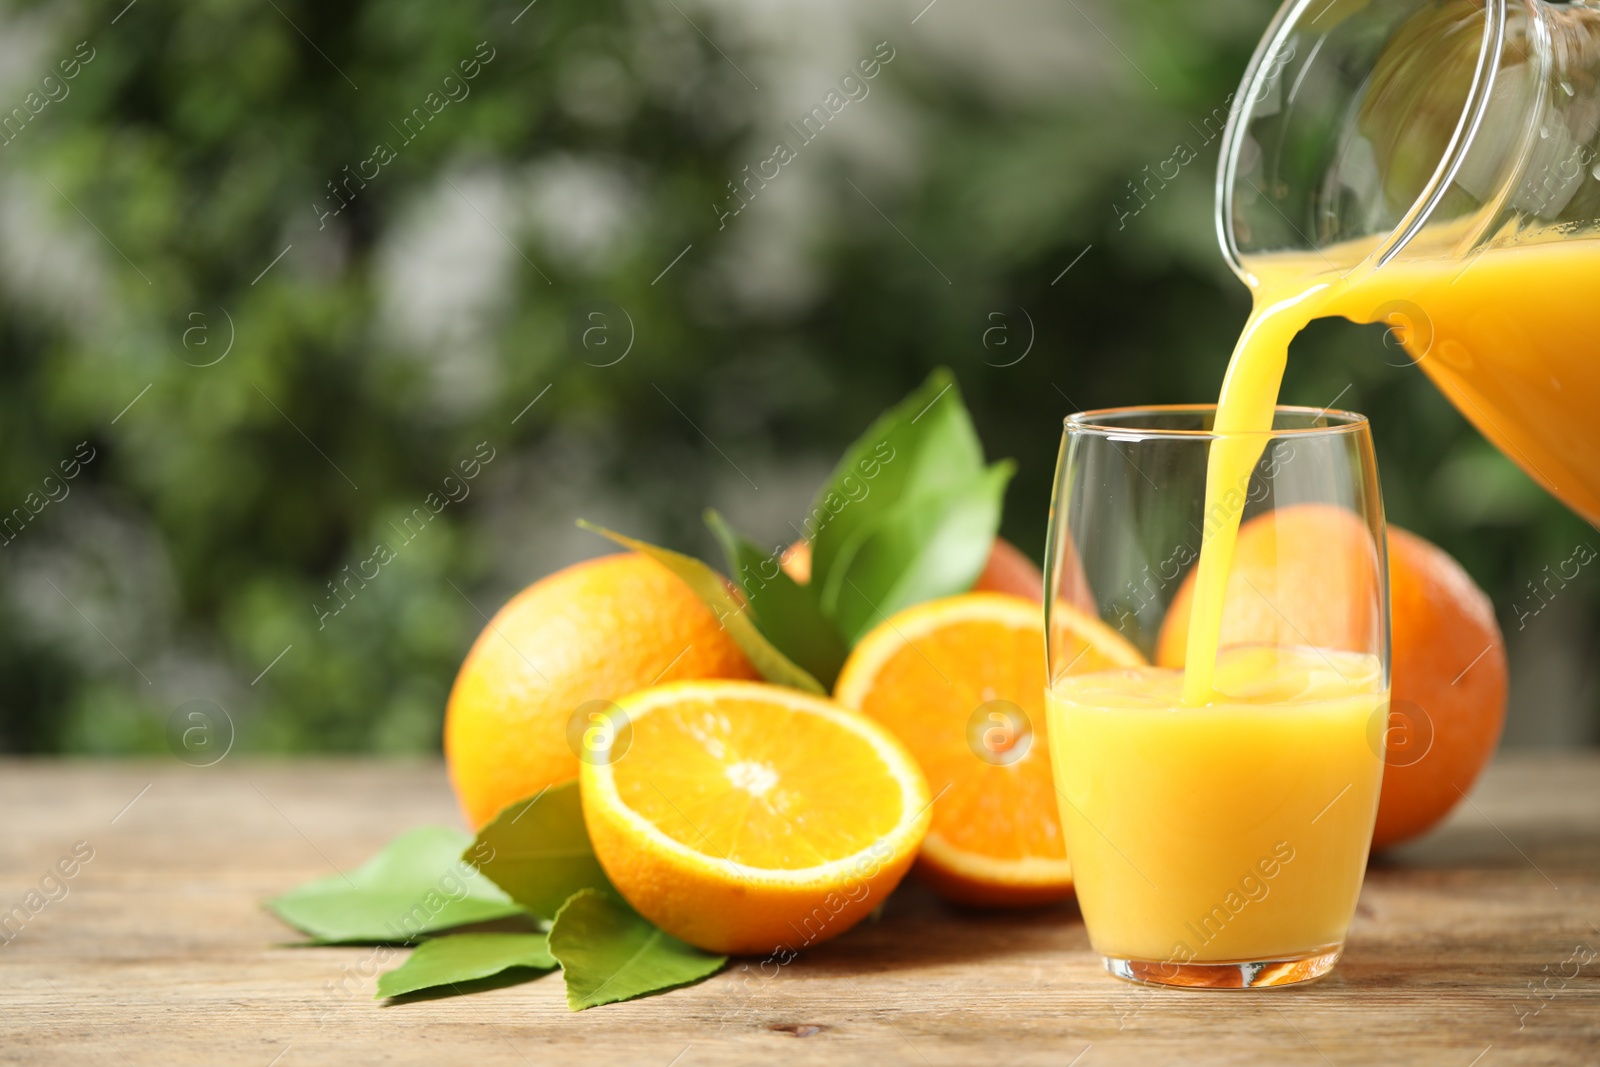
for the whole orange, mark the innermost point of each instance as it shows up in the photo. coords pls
(1447, 660)
(593, 632)
(1448, 695)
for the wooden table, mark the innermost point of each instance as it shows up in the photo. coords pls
(1477, 946)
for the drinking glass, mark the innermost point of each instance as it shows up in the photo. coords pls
(1219, 843)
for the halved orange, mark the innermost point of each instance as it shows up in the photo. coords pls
(961, 681)
(750, 818)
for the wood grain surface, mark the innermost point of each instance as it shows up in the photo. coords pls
(1476, 947)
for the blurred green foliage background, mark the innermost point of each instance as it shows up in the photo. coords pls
(270, 387)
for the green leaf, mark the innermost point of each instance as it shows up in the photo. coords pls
(926, 443)
(610, 952)
(927, 546)
(710, 587)
(418, 884)
(786, 612)
(538, 850)
(465, 958)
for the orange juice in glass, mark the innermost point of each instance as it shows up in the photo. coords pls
(1219, 835)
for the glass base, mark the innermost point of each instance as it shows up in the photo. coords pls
(1227, 974)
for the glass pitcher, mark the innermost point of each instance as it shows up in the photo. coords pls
(1448, 153)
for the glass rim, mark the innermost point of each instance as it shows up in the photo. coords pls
(1107, 422)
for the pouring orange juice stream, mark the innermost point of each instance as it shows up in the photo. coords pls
(1283, 743)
